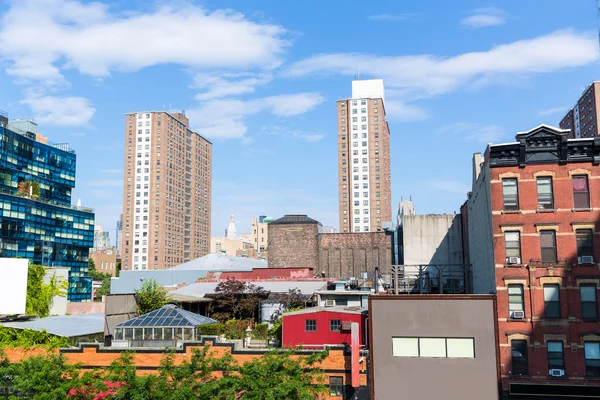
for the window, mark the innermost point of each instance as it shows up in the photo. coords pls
(512, 245)
(548, 246)
(555, 355)
(581, 193)
(515, 299)
(335, 325)
(585, 244)
(311, 325)
(544, 189)
(336, 386)
(592, 358)
(589, 302)
(551, 301)
(520, 362)
(510, 194)
(433, 347)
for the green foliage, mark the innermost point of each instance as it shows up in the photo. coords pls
(234, 299)
(211, 329)
(39, 294)
(104, 289)
(236, 329)
(24, 338)
(261, 331)
(275, 376)
(151, 296)
(276, 331)
(91, 265)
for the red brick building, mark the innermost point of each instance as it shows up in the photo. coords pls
(318, 326)
(534, 226)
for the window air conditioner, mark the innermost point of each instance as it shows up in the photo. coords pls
(517, 314)
(346, 326)
(585, 260)
(329, 303)
(557, 372)
(514, 260)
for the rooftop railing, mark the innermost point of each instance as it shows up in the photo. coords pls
(46, 201)
(430, 278)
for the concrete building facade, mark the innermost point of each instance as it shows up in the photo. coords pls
(533, 208)
(101, 239)
(119, 236)
(365, 197)
(433, 347)
(297, 241)
(167, 191)
(582, 120)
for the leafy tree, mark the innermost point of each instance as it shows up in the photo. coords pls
(293, 299)
(234, 299)
(24, 338)
(91, 265)
(104, 289)
(39, 294)
(151, 296)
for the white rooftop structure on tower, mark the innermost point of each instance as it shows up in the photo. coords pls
(231, 231)
(368, 89)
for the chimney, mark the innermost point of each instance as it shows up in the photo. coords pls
(477, 160)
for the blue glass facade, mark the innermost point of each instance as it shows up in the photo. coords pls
(44, 228)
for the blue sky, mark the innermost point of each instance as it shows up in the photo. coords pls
(260, 80)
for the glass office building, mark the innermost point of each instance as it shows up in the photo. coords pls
(37, 220)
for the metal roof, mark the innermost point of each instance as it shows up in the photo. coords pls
(168, 315)
(220, 262)
(337, 309)
(200, 289)
(65, 325)
(294, 219)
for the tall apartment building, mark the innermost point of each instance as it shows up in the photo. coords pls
(119, 236)
(583, 118)
(365, 197)
(101, 239)
(167, 191)
(533, 233)
(37, 220)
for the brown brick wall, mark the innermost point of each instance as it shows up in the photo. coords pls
(293, 245)
(339, 255)
(347, 255)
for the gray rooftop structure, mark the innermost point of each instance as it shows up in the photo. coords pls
(65, 325)
(167, 316)
(295, 219)
(200, 289)
(187, 273)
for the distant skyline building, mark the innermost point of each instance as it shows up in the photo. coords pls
(365, 196)
(119, 236)
(406, 207)
(167, 191)
(583, 118)
(37, 220)
(101, 239)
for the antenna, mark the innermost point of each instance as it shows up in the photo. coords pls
(358, 71)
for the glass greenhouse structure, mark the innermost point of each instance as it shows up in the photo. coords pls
(169, 326)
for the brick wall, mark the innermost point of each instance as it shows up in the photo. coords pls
(570, 328)
(336, 364)
(293, 245)
(345, 255)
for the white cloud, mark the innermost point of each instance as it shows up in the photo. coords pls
(224, 118)
(61, 111)
(483, 17)
(552, 111)
(308, 137)
(222, 84)
(474, 132)
(402, 111)
(89, 38)
(417, 76)
(395, 17)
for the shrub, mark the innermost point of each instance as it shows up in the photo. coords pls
(261, 331)
(236, 329)
(276, 331)
(211, 329)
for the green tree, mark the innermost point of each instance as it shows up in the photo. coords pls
(151, 296)
(104, 289)
(91, 265)
(40, 294)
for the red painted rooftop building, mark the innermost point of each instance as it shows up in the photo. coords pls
(321, 326)
(534, 240)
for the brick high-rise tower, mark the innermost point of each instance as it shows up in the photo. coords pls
(365, 196)
(584, 118)
(167, 191)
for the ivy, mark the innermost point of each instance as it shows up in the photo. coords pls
(27, 339)
(40, 294)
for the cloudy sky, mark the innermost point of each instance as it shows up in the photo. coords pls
(260, 80)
